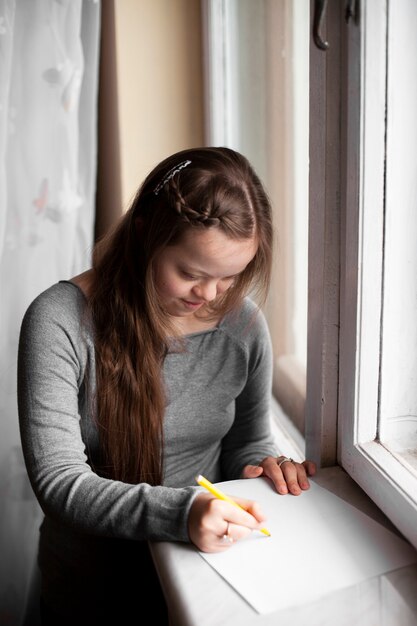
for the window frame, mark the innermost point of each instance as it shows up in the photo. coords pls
(380, 474)
(325, 181)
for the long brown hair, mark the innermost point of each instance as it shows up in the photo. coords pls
(196, 188)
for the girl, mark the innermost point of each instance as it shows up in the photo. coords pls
(150, 368)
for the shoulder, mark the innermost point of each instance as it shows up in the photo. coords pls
(63, 303)
(248, 314)
(247, 324)
(53, 339)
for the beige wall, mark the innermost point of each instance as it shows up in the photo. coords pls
(159, 84)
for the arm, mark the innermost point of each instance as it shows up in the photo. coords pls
(249, 450)
(53, 361)
(250, 439)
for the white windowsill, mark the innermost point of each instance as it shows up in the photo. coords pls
(197, 596)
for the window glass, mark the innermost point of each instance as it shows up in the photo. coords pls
(258, 103)
(398, 379)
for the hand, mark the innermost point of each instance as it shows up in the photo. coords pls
(289, 477)
(214, 525)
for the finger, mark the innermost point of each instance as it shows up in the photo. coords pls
(239, 511)
(290, 475)
(283, 473)
(276, 474)
(252, 471)
(227, 538)
(253, 509)
(302, 476)
(236, 533)
(248, 513)
(305, 469)
(301, 482)
(310, 467)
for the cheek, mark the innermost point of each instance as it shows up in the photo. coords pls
(224, 285)
(169, 284)
(162, 280)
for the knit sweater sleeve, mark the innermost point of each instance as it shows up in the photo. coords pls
(53, 358)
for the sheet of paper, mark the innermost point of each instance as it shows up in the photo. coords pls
(319, 544)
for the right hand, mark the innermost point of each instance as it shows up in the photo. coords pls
(211, 518)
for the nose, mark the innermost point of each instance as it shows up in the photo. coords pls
(206, 290)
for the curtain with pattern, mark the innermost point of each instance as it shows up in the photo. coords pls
(49, 54)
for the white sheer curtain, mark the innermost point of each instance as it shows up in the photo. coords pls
(49, 52)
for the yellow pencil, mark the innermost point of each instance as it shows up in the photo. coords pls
(203, 482)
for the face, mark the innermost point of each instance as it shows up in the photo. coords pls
(198, 268)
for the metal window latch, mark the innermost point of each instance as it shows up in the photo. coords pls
(319, 12)
(320, 6)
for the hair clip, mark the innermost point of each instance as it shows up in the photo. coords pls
(169, 175)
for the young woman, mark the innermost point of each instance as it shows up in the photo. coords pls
(152, 367)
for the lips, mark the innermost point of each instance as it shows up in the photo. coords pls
(193, 304)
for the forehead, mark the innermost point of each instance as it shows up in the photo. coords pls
(212, 252)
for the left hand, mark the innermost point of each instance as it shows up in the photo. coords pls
(289, 477)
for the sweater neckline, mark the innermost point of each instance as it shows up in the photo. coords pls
(186, 336)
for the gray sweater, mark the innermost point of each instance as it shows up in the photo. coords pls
(216, 422)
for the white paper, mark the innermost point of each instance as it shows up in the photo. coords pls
(319, 544)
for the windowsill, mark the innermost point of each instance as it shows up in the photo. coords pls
(197, 596)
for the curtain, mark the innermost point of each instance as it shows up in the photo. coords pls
(49, 53)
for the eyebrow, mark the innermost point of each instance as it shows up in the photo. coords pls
(192, 270)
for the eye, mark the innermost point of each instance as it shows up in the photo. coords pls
(188, 276)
